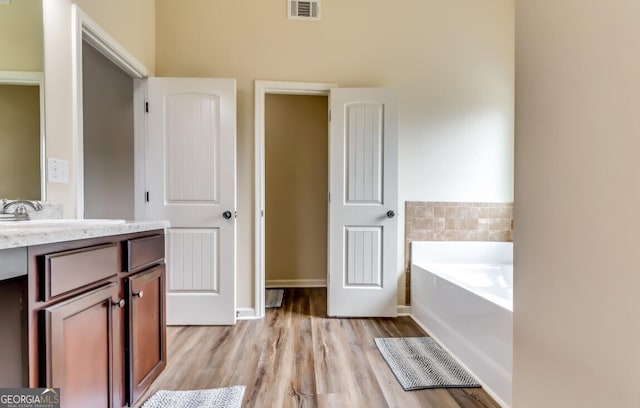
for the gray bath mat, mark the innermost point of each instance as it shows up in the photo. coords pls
(420, 362)
(230, 397)
(273, 298)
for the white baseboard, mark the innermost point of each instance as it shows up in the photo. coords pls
(249, 313)
(296, 283)
(404, 310)
(245, 313)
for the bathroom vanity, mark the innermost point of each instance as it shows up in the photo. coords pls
(82, 308)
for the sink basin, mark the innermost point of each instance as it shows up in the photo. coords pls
(57, 223)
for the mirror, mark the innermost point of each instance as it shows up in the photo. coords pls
(21, 100)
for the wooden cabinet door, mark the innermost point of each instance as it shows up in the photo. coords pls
(79, 341)
(147, 328)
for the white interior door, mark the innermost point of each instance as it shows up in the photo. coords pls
(363, 203)
(191, 181)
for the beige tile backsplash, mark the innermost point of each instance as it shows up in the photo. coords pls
(454, 221)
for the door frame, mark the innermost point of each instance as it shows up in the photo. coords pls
(84, 28)
(262, 88)
(32, 78)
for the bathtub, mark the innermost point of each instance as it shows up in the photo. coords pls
(462, 295)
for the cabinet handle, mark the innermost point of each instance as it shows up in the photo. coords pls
(139, 294)
(119, 303)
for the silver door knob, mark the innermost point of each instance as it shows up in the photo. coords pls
(391, 214)
(226, 215)
(139, 294)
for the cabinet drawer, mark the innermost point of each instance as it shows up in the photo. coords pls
(144, 251)
(69, 270)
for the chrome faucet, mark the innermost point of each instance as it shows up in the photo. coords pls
(20, 212)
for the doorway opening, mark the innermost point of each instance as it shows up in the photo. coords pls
(262, 90)
(108, 137)
(87, 35)
(296, 186)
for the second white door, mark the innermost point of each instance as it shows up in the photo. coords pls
(363, 232)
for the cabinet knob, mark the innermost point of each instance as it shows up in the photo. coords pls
(139, 294)
(119, 303)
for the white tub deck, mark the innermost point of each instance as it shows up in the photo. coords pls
(462, 294)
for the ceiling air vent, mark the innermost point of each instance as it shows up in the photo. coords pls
(304, 10)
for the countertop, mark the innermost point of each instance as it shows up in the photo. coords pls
(26, 233)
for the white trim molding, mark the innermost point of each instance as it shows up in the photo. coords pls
(100, 39)
(85, 29)
(404, 310)
(246, 313)
(32, 78)
(296, 283)
(262, 88)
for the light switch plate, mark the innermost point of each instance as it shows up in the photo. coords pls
(58, 171)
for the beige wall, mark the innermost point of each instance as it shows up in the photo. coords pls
(576, 328)
(19, 142)
(21, 36)
(296, 172)
(451, 63)
(108, 138)
(132, 23)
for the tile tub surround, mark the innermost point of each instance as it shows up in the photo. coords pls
(454, 221)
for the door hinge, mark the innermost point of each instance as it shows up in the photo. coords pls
(146, 196)
(146, 107)
(329, 115)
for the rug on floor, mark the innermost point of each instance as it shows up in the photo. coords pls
(273, 298)
(420, 362)
(230, 397)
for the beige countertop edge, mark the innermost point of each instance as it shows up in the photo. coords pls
(16, 237)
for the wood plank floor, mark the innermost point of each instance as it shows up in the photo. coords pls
(297, 357)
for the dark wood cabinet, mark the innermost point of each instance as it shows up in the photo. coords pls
(97, 318)
(80, 337)
(69, 270)
(147, 347)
